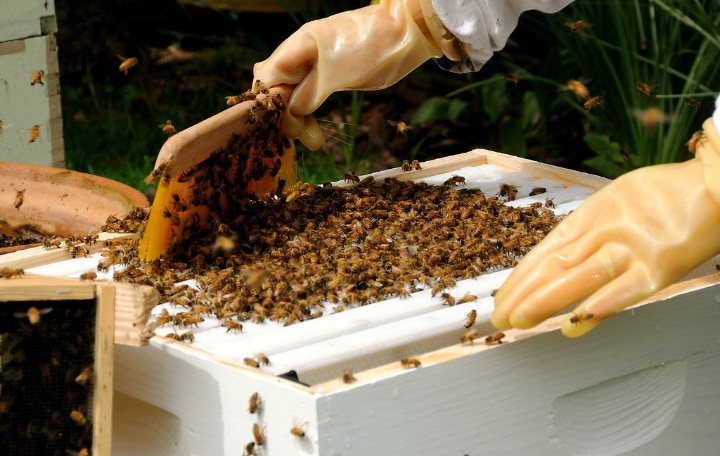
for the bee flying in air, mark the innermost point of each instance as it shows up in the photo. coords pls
(33, 133)
(400, 127)
(168, 128)
(577, 26)
(646, 89)
(593, 102)
(127, 64)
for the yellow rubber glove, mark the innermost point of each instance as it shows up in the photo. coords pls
(368, 48)
(640, 233)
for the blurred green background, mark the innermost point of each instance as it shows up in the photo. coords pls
(191, 56)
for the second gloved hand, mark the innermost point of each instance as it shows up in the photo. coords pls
(368, 48)
(640, 233)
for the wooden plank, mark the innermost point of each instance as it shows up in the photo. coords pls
(104, 373)
(42, 288)
(133, 304)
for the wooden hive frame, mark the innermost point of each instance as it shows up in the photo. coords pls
(634, 385)
(121, 313)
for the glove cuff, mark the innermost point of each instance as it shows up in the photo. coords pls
(708, 151)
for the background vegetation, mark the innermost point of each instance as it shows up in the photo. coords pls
(192, 57)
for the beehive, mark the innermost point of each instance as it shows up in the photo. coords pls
(635, 384)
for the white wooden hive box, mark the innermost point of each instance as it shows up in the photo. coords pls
(643, 382)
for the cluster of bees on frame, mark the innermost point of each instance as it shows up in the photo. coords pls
(284, 256)
(46, 377)
(649, 117)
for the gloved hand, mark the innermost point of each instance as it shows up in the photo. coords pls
(368, 48)
(640, 233)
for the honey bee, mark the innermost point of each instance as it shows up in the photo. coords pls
(299, 431)
(467, 298)
(692, 102)
(494, 338)
(36, 78)
(19, 198)
(232, 325)
(249, 449)
(255, 403)
(34, 133)
(646, 89)
(577, 318)
(471, 316)
(258, 435)
(537, 191)
(251, 362)
(9, 273)
(351, 177)
(406, 166)
(549, 202)
(448, 298)
(33, 314)
(84, 376)
(508, 191)
(400, 126)
(262, 359)
(416, 165)
(409, 363)
(469, 337)
(52, 242)
(168, 128)
(577, 26)
(593, 102)
(454, 181)
(78, 418)
(695, 140)
(579, 89)
(624, 153)
(245, 96)
(88, 276)
(348, 377)
(512, 77)
(127, 64)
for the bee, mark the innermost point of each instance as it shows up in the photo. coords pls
(249, 449)
(164, 318)
(245, 96)
(258, 435)
(549, 203)
(537, 191)
(78, 418)
(494, 338)
(593, 102)
(19, 199)
(36, 78)
(88, 276)
(509, 191)
(232, 325)
(52, 242)
(251, 362)
(168, 128)
(255, 403)
(33, 314)
(34, 133)
(471, 316)
(127, 64)
(454, 181)
(411, 362)
(9, 273)
(400, 127)
(646, 89)
(298, 431)
(467, 298)
(351, 177)
(579, 89)
(406, 166)
(262, 359)
(85, 376)
(577, 26)
(695, 140)
(692, 102)
(624, 153)
(416, 165)
(577, 318)
(469, 337)
(448, 298)
(348, 377)
(512, 77)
